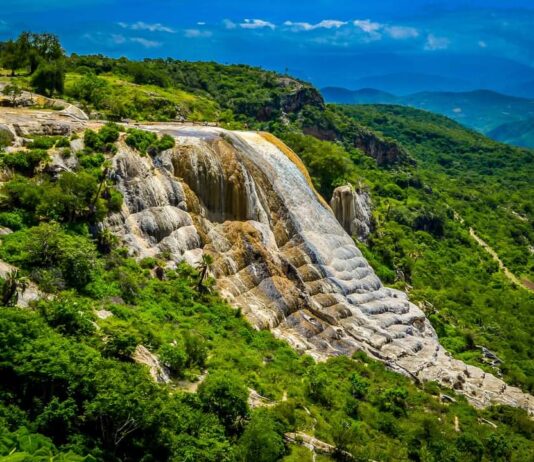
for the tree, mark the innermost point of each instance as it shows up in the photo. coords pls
(204, 266)
(225, 395)
(49, 78)
(11, 58)
(13, 91)
(262, 440)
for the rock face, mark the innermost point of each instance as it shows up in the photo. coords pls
(352, 209)
(279, 253)
(143, 356)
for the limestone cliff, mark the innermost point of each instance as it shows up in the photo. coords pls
(279, 252)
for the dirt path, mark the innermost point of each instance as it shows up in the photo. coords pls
(525, 283)
(495, 256)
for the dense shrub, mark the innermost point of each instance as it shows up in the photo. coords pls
(24, 162)
(47, 250)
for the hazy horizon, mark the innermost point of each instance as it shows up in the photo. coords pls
(454, 45)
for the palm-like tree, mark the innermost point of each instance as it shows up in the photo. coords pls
(204, 266)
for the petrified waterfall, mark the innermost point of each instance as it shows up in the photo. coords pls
(279, 252)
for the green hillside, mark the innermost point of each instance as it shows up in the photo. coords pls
(501, 117)
(517, 133)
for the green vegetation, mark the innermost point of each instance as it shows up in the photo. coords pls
(40, 56)
(117, 97)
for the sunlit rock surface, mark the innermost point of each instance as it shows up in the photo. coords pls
(352, 209)
(279, 252)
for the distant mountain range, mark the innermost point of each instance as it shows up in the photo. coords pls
(505, 118)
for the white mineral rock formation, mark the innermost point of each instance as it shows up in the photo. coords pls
(352, 209)
(279, 252)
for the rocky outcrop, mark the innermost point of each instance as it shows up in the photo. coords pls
(352, 209)
(143, 356)
(384, 151)
(279, 253)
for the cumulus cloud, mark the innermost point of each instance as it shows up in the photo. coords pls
(145, 43)
(324, 24)
(140, 25)
(257, 24)
(196, 33)
(436, 43)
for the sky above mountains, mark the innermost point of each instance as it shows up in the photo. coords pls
(450, 44)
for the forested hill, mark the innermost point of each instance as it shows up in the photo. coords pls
(72, 387)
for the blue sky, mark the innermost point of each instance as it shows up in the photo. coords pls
(473, 43)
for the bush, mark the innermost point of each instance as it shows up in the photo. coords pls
(393, 400)
(43, 142)
(195, 347)
(262, 440)
(24, 162)
(120, 340)
(162, 144)
(68, 314)
(174, 357)
(92, 140)
(140, 139)
(394, 191)
(226, 396)
(358, 386)
(109, 133)
(12, 220)
(48, 247)
(6, 138)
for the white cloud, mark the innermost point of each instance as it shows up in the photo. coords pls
(145, 43)
(368, 26)
(196, 33)
(324, 24)
(375, 30)
(436, 43)
(140, 25)
(229, 24)
(402, 32)
(201, 23)
(118, 39)
(482, 44)
(257, 24)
